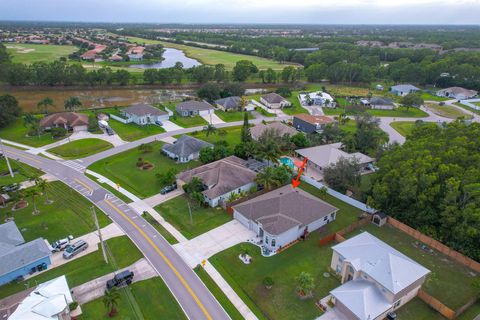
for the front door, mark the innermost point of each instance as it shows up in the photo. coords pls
(260, 232)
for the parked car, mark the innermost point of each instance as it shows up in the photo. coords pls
(168, 188)
(73, 249)
(391, 316)
(120, 279)
(109, 131)
(159, 123)
(61, 244)
(11, 187)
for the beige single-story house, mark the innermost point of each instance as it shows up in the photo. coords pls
(194, 108)
(274, 101)
(143, 114)
(280, 128)
(68, 120)
(229, 104)
(458, 93)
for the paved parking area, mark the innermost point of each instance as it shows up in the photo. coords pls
(206, 245)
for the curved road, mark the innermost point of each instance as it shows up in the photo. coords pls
(192, 295)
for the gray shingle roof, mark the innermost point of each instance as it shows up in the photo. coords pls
(22, 255)
(141, 110)
(193, 105)
(273, 97)
(10, 237)
(404, 88)
(380, 101)
(229, 102)
(222, 176)
(279, 127)
(185, 146)
(284, 208)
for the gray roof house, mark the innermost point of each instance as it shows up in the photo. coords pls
(381, 103)
(193, 108)
(185, 149)
(458, 93)
(274, 101)
(18, 258)
(278, 127)
(221, 178)
(143, 114)
(376, 278)
(403, 89)
(229, 103)
(282, 216)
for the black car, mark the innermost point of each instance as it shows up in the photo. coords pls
(120, 279)
(168, 188)
(109, 131)
(11, 187)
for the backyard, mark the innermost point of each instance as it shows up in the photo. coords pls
(68, 214)
(81, 148)
(17, 132)
(203, 219)
(281, 302)
(121, 168)
(30, 53)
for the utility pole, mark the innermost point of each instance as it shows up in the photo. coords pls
(99, 234)
(6, 159)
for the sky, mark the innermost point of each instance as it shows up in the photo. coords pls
(246, 11)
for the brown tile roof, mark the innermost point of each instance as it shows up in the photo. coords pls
(282, 129)
(284, 208)
(71, 119)
(222, 176)
(314, 119)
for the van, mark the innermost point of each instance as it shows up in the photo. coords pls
(120, 279)
(73, 249)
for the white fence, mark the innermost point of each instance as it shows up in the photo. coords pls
(122, 120)
(338, 195)
(170, 112)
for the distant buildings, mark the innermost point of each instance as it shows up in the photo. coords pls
(185, 149)
(68, 120)
(143, 114)
(378, 103)
(309, 123)
(403, 89)
(135, 53)
(318, 98)
(457, 93)
(274, 101)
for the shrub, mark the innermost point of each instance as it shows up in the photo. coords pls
(58, 132)
(72, 306)
(268, 282)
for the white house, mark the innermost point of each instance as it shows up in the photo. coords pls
(185, 149)
(143, 114)
(274, 101)
(221, 179)
(403, 89)
(457, 93)
(376, 278)
(194, 108)
(318, 98)
(282, 216)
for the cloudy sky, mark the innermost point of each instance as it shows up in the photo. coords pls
(247, 11)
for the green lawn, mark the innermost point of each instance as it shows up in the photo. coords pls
(467, 108)
(17, 132)
(265, 113)
(176, 212)
(296, 108)
(167, 235)
(232, 116)
(448, 281)
(281, 302)
(349, 127)
(81, 148)
(188, 122)
(446, 111)
(83, 269)
(430, 97)
(68, 214)
(121, 168)
(400, 112)
(231, 135)
(403, 127)
(218, 294)
(21, 172)
(212, 57)
(133, 131)
(30, 53)
(152, 296)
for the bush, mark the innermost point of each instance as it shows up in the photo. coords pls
(58, 132)
(284, 92)
(268, 282)
(72, 306)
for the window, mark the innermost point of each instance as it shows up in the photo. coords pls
(325, 218)
(274, 242)
(397, 303)
(266, 239)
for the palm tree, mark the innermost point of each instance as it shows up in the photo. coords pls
(33, 193)
(42, 185)
(210, 129)
(305, 283)
(267, 178)
(72, 103)
(110, 301)
(43, 104)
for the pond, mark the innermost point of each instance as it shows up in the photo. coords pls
(170, 57)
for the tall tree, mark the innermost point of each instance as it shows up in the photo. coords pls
(9, 110)
(110, 301)
(243, 69)
(32, 193)
(246, 135)
(43, 104)
(72, 103)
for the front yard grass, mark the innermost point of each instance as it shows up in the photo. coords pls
(81, 148)
(400, 112)
(230, 134)
(152, 296)
(83, 269)
(164, 232)
(121, 168)
(446, 111)
(450, 282)
(281, 302)
(68, 214)
(188, 122)
(21, 172)
(17, 132)
(403, 127)
(265, 113)
(296, 108)
(232, 116)
(133, 131)
(431, 97)
(176, 212)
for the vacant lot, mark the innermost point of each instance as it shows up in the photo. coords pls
(133, 131)
(17, 132)
(30, 53)
(232, 116)
(21, 172)
(121, 168)
(203, 219)
(231, 135)
(81, 148)
(430, 97)
(403, 127)
(189, 122)
(400, 112)
(68, 214)
(446, 111)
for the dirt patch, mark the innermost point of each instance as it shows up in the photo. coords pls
(20, 205)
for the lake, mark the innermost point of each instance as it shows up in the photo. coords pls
(170, 57)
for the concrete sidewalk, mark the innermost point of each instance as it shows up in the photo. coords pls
(161, 198)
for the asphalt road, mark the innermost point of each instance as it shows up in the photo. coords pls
(192, 295)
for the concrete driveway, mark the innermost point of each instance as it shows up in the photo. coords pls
(170, 126)
(160, 198)
(212, 118)
(206, 245)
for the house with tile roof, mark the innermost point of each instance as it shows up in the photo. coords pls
(68, 120)
(376, 278)
(284, 215)
(221, 179)
(185, 148)
(458, 93)
(274, 101)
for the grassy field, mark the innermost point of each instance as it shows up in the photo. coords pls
(232, 116)
(133, 131)
(448, 281)
(446, 111)
(121, 168)
(231, 135)
(189, 122)
(152, 296)
(81, 148)
(30, 53)
(212, 57)
(280, 302)
(430, 97)
(17, 132)
(83, 269)
(176, 212)
(400, 112)
(403, 127)
(68, 214)
(21, 172)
